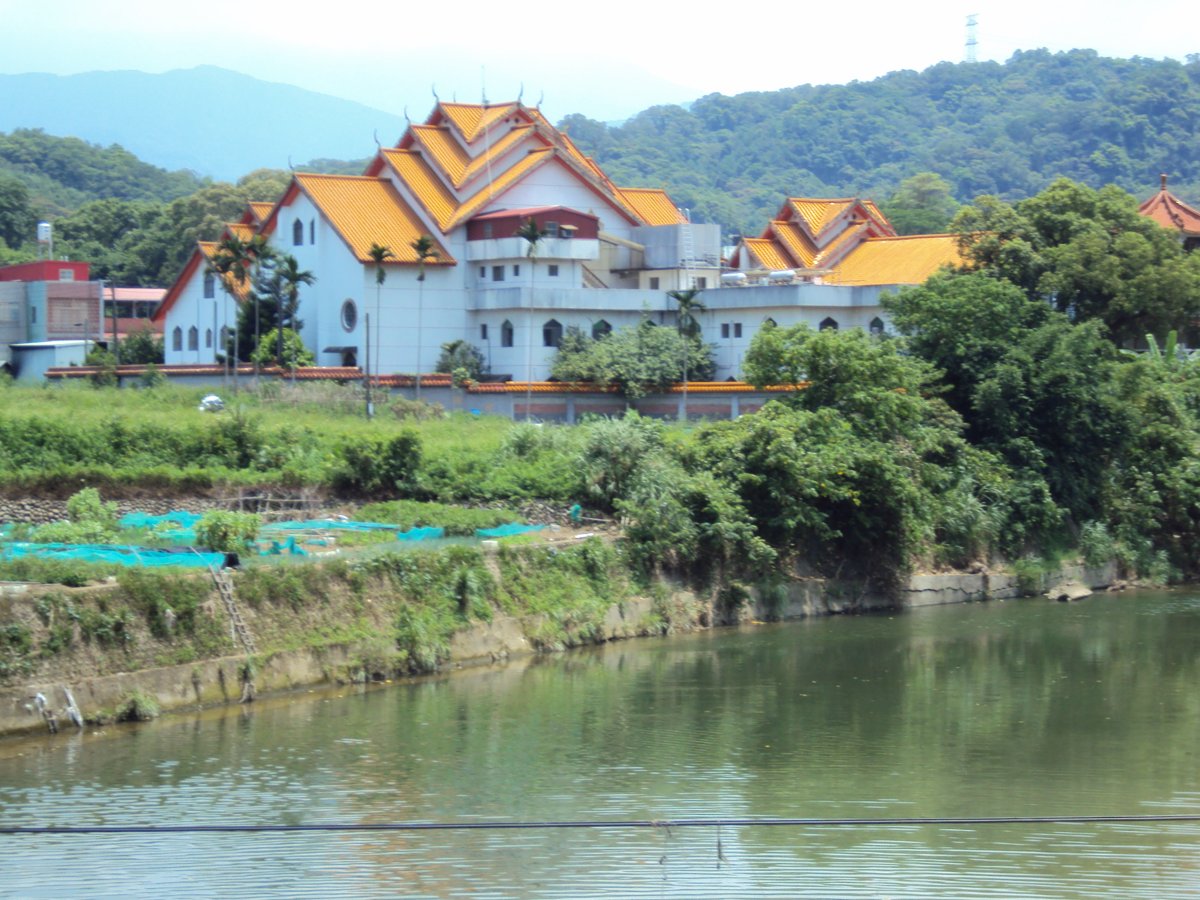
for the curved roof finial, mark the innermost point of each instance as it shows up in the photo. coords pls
(433, 90)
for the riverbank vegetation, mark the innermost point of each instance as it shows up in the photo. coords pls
(1011, 418)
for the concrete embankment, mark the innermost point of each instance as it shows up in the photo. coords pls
(223, 679)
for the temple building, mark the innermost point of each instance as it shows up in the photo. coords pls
(471, 179)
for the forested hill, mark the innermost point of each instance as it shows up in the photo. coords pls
(986, 128)
(63, 173)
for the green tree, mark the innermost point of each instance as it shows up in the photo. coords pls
(142, 347)
(18, 221)
(461, 359)
(1089, 253)
(637, 360)
(922, 204)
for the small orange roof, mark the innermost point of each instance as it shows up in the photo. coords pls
(1170, 212)
(653, 206)
(896, 260)
(767, 254)
(366, 211)
(472, 118)
(260, 210)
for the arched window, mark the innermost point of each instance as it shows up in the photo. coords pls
(210, 286)
(297, 233)
(506, 334)
(312, 231)
(876, 325)
(177, 338)
(601, 329)
(552, 333)
(208, 338)
(225, 335)
(829, 323)
(193, 338)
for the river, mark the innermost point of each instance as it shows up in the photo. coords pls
(1013, 709)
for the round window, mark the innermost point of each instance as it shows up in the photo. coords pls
(349, 315)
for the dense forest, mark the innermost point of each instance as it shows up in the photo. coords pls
(986, 128)
(920, 143)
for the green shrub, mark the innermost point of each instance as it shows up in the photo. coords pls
(137, 707)
(381, 465)
(227, 532)
(409, 514)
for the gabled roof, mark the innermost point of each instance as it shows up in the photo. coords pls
(364, 211)
(652, 206)
(1170, 212)
(472, 118)
(453, 159)
(467, 154)
(896, 260)
(766, 254)
(429, 190)
(257, 212)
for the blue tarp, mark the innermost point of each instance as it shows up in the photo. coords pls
(507, 530)
(121, 554)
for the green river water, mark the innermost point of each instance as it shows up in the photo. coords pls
(1020, 708)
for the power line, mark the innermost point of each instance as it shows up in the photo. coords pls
(668, 824)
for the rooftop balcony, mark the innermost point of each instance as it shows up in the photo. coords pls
(547, 249)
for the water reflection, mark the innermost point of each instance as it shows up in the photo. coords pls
(996, 709)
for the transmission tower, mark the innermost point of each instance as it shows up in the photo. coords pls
(972, 23)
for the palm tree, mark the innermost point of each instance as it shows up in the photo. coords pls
(231, 259)
(289, 277)
(533, 236)
(261, 254)
(688, 304)
(378, 253)
(425, 251)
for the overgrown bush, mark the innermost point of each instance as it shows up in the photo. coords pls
(386, 466)
(227, 532)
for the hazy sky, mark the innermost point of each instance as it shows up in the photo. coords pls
(604, 60)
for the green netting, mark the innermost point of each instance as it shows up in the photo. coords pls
(420, 534)
(177, 525)
(120, 554)
(179, 517)
(507, 530)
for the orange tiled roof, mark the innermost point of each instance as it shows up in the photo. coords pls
(1170, 212)
(896, 260)
(818, 214)
(472, 118)
(653, 206)
(430, 191)
(498, 185)
(797, 245)
(453, 159)
(767, 253)
(260, 210)
(366, 211)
